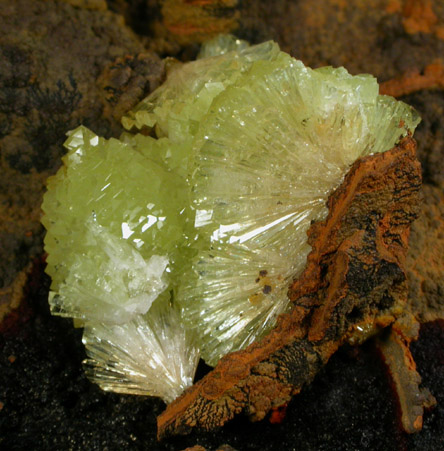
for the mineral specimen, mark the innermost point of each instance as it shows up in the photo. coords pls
(113, 241)
(204, 204)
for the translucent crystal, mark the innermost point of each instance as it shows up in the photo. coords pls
(176, 108)
(220, 45)
(210, 202)
(271, 148)
(112, 230)
(150, 355)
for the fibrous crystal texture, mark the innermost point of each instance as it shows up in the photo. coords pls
(150, 355)
(208, 197)
(268, 153)
(268, 140)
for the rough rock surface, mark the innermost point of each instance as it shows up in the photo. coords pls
(430, 135)
(384, 37)
(60, 66)
(425, 260)
(382, 44)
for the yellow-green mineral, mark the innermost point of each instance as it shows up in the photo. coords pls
(208, 214)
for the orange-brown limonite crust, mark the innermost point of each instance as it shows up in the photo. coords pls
(406, 382)
(354, 275)
(432, 76)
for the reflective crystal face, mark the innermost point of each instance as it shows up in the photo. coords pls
(150, 355)
(212, 208)
(113, 230)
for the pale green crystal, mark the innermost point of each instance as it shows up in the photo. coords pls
(222, 44)
(113, 230)
(244, 150)
(272, 147)
(176, 108)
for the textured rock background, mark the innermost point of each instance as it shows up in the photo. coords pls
(69, 62)
(60, 66)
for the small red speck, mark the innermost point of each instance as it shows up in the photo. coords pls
(12, 358)
(278, 414)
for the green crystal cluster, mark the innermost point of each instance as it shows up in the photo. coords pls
(113, 230)
(202, 207)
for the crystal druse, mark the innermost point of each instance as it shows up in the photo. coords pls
(181, 238)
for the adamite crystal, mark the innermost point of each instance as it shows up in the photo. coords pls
(136, 357)
(115, 223)
(113, 230)
(213, 208)
(176, 108)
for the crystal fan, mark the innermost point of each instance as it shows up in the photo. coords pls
(141, 357)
